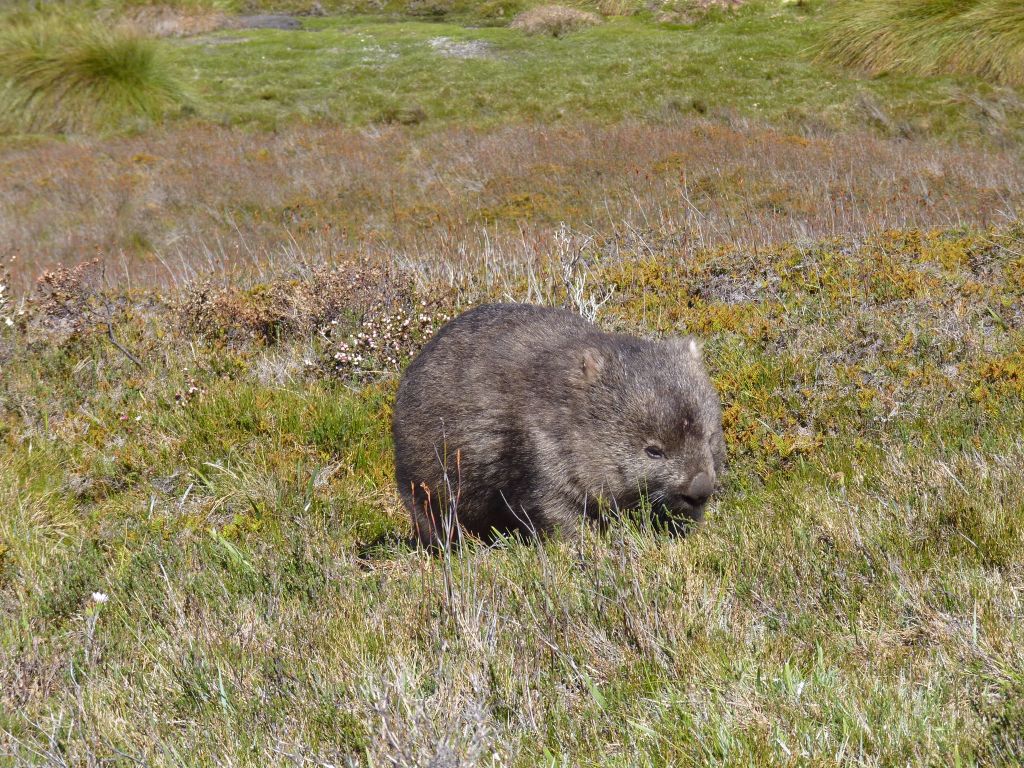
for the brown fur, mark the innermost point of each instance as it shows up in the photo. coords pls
(523, 418)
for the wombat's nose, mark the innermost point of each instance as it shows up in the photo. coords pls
(699, 490)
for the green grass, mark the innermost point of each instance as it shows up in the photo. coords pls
(758, 64)
(68, 75)
(984, 38)
(854, 596)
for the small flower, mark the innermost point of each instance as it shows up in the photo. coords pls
(100, 597)
(8, 322)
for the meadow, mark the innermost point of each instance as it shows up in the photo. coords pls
(205, 308)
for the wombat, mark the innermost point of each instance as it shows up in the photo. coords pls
(520, 418)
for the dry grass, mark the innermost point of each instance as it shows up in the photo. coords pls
(554, 20)
(203, 202)
(5, 299)
(298, 306)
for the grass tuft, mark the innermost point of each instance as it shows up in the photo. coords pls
(71, 76)
(984, 38)
(554, 20)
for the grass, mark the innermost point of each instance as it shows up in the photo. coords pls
(757, 64)
(74, 76)
(202, 557)
(928, 37)
(854, 595)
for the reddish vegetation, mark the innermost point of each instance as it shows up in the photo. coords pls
(165, 21)
(199, 201)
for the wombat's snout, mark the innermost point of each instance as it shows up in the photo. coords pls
(698, 490)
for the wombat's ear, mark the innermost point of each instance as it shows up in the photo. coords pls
(591, 363)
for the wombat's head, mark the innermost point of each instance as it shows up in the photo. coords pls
(652, 423)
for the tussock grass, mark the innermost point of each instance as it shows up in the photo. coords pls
(554, 20)
(72, 75)
(984, 38)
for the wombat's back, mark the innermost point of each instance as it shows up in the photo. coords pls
(457, 425)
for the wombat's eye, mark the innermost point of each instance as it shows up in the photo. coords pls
(655, 452)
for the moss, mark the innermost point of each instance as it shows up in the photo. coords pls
(756, 321)
(528, 206)
(1000, 377)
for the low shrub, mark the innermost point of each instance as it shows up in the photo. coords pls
(285, 308)
(5, 296)
(66, 304)
(370, 319)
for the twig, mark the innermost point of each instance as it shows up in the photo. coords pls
(110, 325)
(120, 347)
